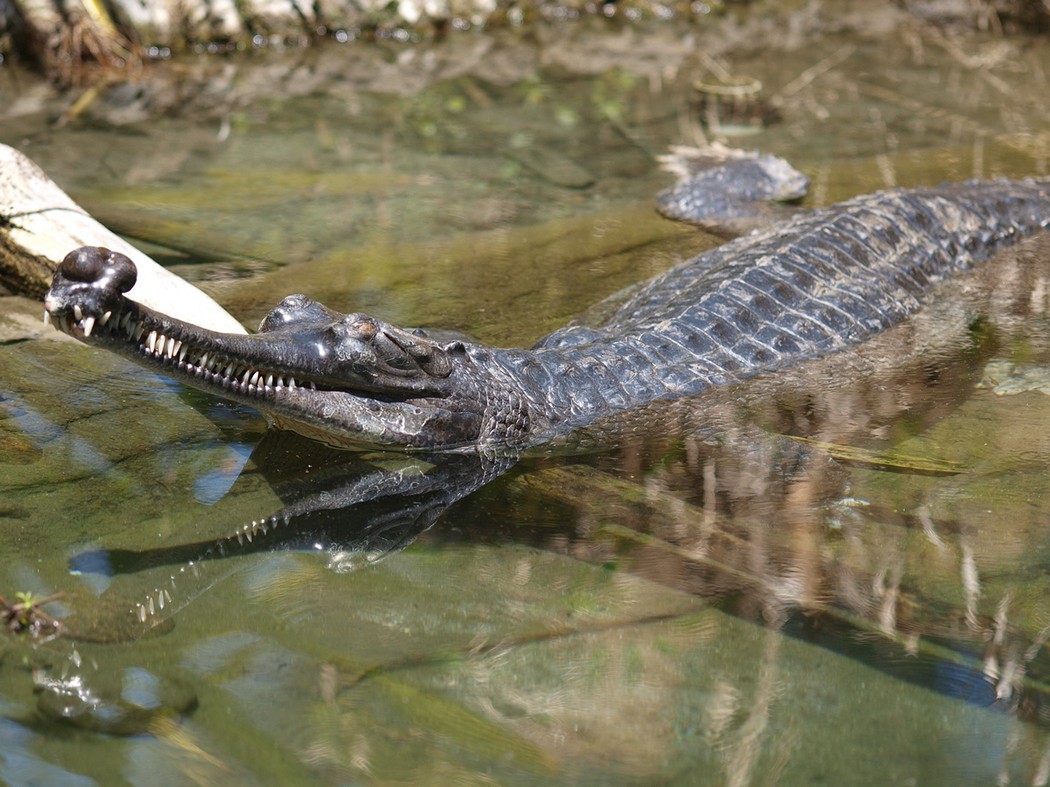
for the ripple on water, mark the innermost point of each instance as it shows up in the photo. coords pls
(129, 701)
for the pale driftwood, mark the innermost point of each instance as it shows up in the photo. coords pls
(40, 224)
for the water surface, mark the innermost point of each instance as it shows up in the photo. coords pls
(836, 575)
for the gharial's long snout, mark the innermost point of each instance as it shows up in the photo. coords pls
(346, 379)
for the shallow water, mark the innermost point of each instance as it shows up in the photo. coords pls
(837, 575)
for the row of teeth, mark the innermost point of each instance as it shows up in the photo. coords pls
(87, 324)
(161, 597)
(175, 350)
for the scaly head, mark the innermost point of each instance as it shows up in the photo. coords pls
(346, 379)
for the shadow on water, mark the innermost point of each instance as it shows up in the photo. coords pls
(826, 575)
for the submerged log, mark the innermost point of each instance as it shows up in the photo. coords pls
(40, 224)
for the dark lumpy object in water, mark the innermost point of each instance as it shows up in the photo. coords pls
(125, 702)
(719, 185)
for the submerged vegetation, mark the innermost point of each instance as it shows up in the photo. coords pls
(25, 616)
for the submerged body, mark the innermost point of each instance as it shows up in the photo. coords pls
(818, 283)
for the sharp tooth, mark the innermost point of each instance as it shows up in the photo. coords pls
(229, 371)
(280, 382)
(89, 325)
(47, 317)
(78, 312)
(203, 362)
(247, 376)
(151, 340)
(269, 381)
(171, 347)
(255, 379)
(291, 382)
(183, 349)
(105, 318)
(125, 319)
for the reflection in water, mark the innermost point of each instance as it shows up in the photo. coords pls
(355, 510)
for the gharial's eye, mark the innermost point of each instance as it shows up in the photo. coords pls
(360, 326)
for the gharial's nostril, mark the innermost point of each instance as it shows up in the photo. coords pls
(96, 265)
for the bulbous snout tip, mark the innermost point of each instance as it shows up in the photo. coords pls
(98, 266)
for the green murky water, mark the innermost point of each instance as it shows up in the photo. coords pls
(835, 577)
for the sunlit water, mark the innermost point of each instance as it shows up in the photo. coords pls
(834, 576)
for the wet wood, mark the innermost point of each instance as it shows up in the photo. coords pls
(40, 224)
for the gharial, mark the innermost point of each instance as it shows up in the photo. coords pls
(806, 286)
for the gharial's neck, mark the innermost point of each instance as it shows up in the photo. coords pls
(563, 388)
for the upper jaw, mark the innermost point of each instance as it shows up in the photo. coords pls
(100, 314)
(87, 300)
(162, 342)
